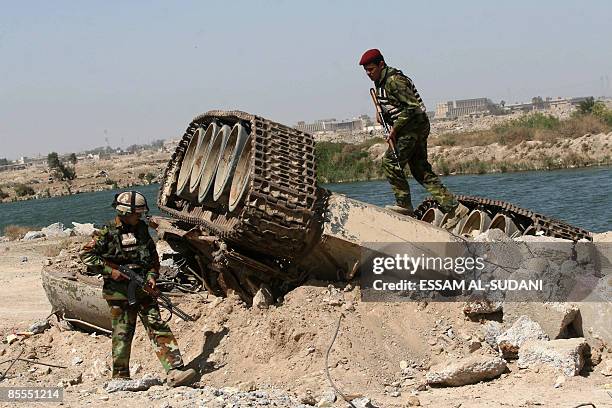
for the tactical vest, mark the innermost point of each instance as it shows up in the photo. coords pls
(390, 111)
(129, 246)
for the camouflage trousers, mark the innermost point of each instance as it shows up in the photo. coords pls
(411, 146)
(124, 325)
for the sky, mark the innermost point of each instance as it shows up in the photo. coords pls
(76, 75)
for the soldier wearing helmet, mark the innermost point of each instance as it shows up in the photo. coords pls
(127, 242)
(404, 110)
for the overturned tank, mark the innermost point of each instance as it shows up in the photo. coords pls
(244, 214)
(245, 210)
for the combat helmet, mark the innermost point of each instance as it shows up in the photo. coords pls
(129, 202)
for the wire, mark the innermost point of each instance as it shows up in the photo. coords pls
(27, 360)
(13, 361)
(331, 382)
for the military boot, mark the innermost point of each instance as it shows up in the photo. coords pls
(455, 215)
(180, 376)
(400, 210)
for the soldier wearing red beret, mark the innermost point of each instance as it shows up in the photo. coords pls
(404, 111)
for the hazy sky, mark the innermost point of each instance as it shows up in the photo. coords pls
(73, 73)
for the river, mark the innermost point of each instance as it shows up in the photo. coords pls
(582, 197)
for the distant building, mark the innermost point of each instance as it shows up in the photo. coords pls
(464, 107)
(332, 125)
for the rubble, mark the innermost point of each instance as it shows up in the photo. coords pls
(142, 384)
(565, 355)
(86, 229)
(606, 368)
(31, 235)
(469, 370)
(490, 332)
(57, 230)
(522, 330)
(555, 318)
(482, 306)
(39, 326)
(263, 298)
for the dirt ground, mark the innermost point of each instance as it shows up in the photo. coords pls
(282, 347)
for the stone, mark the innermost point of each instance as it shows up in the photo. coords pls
(474, 345)
(469, 370)
(31, 235)
(555, 318)
(86, 229)
(142, 384)
(565, 355)
(327, 399)
(413, 401)
(482, 306)
(56, 230)
(24, 259)
(606, 368)
(307, 398)
(77, 360)
(403, 364)
(99, 369)
(263, 298)
(522, 330)
(11, 338)
(247, 386)
(491, 331)
(559, 382)
(39, 326)
(362, 402)
(395, 394)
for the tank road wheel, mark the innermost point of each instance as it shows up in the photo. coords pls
(502, 222)
(477, 221)
(200, 156)
(433, 216)
(209, 170)
(182, 188)
(240, 181)
(227, 165)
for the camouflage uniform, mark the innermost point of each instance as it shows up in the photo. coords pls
(126, 245)
(405, 111)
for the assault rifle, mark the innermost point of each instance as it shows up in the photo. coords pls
(381, 119)
(136, 281)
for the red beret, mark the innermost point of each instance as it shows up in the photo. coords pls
(369, 56)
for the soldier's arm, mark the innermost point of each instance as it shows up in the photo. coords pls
(91, 253)
(400, 89)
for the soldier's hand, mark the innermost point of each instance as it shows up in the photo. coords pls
(151, 282)
(116, 275)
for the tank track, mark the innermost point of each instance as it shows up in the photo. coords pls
(277, 217)
(527, 220)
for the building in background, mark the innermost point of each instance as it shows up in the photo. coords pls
(465, 107)
(332, 125)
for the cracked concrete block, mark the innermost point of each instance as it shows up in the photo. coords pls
(522, 330)
(469, 370)
(565, 355)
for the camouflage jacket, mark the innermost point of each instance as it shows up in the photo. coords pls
(122, 245)
(400, 100)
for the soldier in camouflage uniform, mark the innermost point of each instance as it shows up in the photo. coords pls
(127, 242)
(404, 111)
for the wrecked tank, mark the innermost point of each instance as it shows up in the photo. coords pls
(246, 210)
(244, 214)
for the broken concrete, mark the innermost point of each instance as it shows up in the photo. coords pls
(142, 384)
(557, 319)
(482, 306)
(565, 355)
(469, 370)
(522, 330)
(490, 332)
